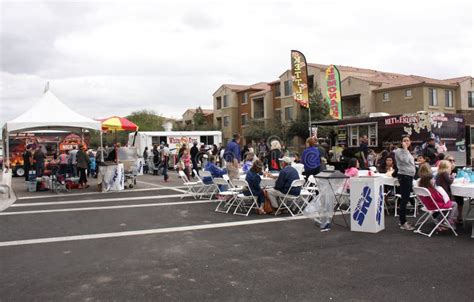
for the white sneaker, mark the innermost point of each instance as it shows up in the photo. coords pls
(407, 227)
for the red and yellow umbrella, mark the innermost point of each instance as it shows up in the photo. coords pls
(117, 123)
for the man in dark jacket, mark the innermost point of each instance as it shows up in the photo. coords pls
(233, 149)
(27, 161)
(283, 183)
(430, 151)
(194, 156)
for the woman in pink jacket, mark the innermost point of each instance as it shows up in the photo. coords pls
(426, 181)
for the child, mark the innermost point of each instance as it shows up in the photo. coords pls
(352, 171)
(426, 181)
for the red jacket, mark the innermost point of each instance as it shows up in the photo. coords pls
(438, 198)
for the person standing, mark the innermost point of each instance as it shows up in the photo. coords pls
(39, 158)
(27, 161)
(166, 157)
(233, 149)
(82, 165)
(430, 151)
(73, 160)
(311, 158)
(156, 159)
(63, 162)
(363, 151)
(145, 160)
(406, 172)
(194, 157)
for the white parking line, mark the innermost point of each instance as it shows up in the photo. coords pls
(97, 193)
(143, 205)
(161, 186)
(148, 232)
(52, 203)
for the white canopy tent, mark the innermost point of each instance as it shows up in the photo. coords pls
(48, 113)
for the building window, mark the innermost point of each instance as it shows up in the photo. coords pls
(288, 88)
(448, 95)
(244, 118)
(433, 99)
(245, 98)
(277, 90)
(219, 122)
(470, 99)
(226, 121)
(225, 101)
(289, 113)
(218, 102)
(386, 97)
(408, 93)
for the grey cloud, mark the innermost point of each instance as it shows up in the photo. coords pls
(199, 20)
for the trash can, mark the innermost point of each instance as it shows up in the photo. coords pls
(367, 206)
(30, 186)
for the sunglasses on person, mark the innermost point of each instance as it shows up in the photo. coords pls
(451, 160)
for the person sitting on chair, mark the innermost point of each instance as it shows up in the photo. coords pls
(437, 193)
(253, 179)
(215, 171)
(283, 182)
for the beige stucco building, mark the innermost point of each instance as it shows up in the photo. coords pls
(363, 91)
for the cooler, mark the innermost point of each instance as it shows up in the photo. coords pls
(367, 206)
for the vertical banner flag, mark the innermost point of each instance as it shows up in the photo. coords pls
(333, 92)
(299, 75)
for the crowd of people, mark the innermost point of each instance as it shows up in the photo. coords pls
(77, 162)
(432, 167)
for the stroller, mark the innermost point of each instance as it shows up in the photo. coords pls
(58, 183)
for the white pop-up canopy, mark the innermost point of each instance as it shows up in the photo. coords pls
(50, 113)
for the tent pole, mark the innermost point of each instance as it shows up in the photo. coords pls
(101, 147)
(6, 164)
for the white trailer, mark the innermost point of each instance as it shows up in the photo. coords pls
(174, 139)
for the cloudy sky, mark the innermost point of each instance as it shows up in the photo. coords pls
(107, 58)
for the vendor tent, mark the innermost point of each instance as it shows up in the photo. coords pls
(48, 113)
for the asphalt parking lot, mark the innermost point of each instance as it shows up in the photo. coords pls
(152, 245)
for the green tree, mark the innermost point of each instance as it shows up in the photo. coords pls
(319, 112)
(257, 129)
(147, 120)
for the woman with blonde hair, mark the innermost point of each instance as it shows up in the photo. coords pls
(459, 199)
(426, 181)
(443, 177)
(274, 156)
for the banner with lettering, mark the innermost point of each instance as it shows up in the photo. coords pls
(333, 92)
(299, 76)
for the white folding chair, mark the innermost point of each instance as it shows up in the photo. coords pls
(232, 187)
(227, 196)
(442, 213)
(288, 201)
(205, 188)
(243, 202)
(193, 187)
(413, 197)
(211, 188)
(308, 192)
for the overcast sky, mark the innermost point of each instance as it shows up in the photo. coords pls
(107, 58)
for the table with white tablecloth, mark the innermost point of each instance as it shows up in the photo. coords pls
(111, 177)
(465, 190)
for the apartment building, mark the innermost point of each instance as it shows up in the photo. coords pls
(188, 116)
(363, 91)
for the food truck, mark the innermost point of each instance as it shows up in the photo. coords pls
(383, 130)
(52, 142)
(174, 139)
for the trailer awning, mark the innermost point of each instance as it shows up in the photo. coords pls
(326, 123)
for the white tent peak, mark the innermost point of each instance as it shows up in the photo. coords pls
(50, 113)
